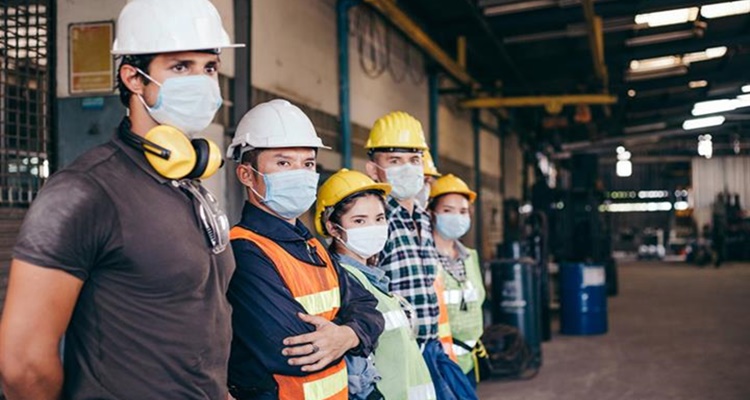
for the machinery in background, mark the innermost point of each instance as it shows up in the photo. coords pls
(652, 245)
(514, 339)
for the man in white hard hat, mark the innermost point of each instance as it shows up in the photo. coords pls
(124, 251)
(310, 310)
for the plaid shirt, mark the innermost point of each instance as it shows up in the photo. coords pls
(410, 260)
(456, 266)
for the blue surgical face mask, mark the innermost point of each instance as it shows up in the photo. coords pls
(188, 103)
(452, 226)
(289, 193)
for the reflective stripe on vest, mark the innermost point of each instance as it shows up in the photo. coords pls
(326, 388)
(444, 327)
(469, 294)
(321, 302)
(460, 351)
(422, 392)
(316, 289)
(395, 319)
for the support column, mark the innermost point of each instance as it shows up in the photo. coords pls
(478, 218)
(342, 30)
(432, 85)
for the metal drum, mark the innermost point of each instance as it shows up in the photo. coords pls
(515, 301)
(583, 299)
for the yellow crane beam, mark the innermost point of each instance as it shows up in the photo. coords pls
(398, 18)
(539, 101)
(596, 41)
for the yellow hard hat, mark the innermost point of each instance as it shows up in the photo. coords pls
(397, 130)
(429, 165)
(451, 184)
(339, 186)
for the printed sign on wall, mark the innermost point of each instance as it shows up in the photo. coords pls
(90, 61)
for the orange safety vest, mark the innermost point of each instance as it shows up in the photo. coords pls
(444, 327)
(317, 290)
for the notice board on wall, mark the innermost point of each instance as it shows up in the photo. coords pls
(91, 66)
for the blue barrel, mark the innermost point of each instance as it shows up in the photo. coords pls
(583, 299)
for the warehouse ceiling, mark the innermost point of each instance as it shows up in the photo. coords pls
(659, 65)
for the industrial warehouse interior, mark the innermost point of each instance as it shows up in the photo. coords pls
(601, 148)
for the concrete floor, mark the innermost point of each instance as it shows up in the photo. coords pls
(676, 332)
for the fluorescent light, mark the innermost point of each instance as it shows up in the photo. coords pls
(714, 106)
(664, 63)
(746, 89)
(744, 98)
(708, 54)
(635, 76)
(624, 169)
(653, 194)
(705, 146)
(725, 9)
(721, 105)
(706, 122)
(637, 207)
(669, 17)
(651, 64)
(697, 84)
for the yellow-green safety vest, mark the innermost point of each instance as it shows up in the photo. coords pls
(467, 324)
(397, 356)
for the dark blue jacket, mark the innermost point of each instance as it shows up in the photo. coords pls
(265, 312)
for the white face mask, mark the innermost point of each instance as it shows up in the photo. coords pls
(366, 241)
(423, 197)
(188, 103)
(406, 180)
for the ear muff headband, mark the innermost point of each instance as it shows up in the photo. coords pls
(144, 144)
(173, 155)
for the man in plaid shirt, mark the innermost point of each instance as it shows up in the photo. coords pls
(410, 258)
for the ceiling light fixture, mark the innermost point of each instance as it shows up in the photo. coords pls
(719, 10)
(633, 76)
(746, 89)
(669, 17)
(708, 54)
(706, 122)
(651, 64)
(718, 106)
(697, 84)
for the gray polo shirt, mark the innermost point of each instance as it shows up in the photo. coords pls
(152, 320)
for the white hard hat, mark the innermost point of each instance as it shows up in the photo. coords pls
(165, 26)
(272, 125)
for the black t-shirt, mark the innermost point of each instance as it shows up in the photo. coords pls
(152, 320)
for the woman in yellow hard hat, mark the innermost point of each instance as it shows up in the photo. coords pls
(449, 206)
(351, 209)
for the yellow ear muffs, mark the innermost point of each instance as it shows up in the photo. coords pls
(181, 157)
(173, 155)
(208, 159)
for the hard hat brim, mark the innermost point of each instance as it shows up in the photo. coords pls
(126, 52)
